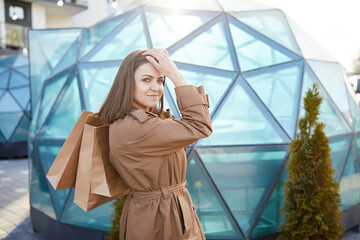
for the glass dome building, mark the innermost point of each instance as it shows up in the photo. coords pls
(14, 105)
(255, 64)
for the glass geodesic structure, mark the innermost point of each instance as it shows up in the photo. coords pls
(14, 105)
(255, 64)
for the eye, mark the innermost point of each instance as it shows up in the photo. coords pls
(146, 80)
(161, 81)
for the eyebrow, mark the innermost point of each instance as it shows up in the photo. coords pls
(146, 75)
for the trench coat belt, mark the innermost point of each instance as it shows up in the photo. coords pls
(164, 192)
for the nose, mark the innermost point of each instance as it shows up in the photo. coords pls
(154, 86)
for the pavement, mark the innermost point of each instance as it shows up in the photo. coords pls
(15, 223)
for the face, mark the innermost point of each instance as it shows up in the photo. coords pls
(149, 86)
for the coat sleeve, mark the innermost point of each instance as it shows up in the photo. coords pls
(153, 136)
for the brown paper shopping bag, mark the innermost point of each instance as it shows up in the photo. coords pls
(97, 182)
(62, 173)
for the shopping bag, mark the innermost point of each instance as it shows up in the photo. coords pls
(62, 173)
(97, 182)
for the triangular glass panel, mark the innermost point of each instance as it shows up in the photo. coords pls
(21, 132)
(1, 92)
(23, 70)
(48, 151)
(39, 192)
(2, 139)
(279, 87)
(22, 95)
(270, 218)
(98, 218)
(53, 46)
(9, 122)
(2, 69)
(68, 59)
(349, 183)
(130, 38)
(339, 151)
(215, 84)
(52, 88)
(241, 120)
(243, 176)
(8, 62)
(4, 79)
(271, 23)
(209, 5)
(63, 115)
(8, 104)
(20, 61)
(209, 49)
(17, 80)
(254, 51)
(96, 33)
(309, 47)
(246, 5)
(96, 82)
(355, 111)
(332, 78)
(173, 26)
(334, 125)
(214, 217)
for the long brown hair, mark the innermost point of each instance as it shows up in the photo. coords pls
(119, 101)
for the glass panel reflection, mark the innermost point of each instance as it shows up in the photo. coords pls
(9, 122)
(4, 79)
(8, 104)
(63, 116)
(209, 49)
(339, 151)
(18, 80)
(271, 218)
(22, 95)
(254, 53)
(21, 132)
(271, 23)
(278, 88)
(214, 217)
(240, 124)
(243, 176)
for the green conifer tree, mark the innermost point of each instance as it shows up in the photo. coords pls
(311, 195)
(117, 205)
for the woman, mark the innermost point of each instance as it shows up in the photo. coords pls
(147, 146)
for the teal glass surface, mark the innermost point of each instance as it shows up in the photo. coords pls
(243, 177)
(215, 219)
(1, 92)
(4, 79)
(209, 49)
(272, 23)
(355, 112)
(17, 80)
(63, 116)
(8, 104)
(21, 131)
(20, 61)
(93, 35)
(97, 218)
(51, 91)
(2, 69)
(215, 85)
(8, 61)
(68, 59)
(23, 70)
(309, 47)
(350, 181)
(254, 53)
(34, 120)
(96, 82)
(22, 95)
(48, 151)
(172, 27)
(9, 122)
(271, 218)
(236, 124)
(130, 38)
(2, 139)
(339, 151)
(334, 125)
(40, 196)
(278, 88)
(332, 78)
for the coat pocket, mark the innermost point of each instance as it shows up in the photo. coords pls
(187, 217)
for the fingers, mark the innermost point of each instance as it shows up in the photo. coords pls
(152, 61)
(157, 53)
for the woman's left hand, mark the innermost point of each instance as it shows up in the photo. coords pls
(160, 59)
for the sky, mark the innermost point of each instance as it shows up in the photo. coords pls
(335, 24)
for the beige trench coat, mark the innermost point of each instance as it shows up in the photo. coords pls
(148, 153)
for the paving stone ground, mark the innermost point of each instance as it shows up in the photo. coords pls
(15, 223)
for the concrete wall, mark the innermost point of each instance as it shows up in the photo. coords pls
(97, 11)
(55, 21)
(38, 16)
